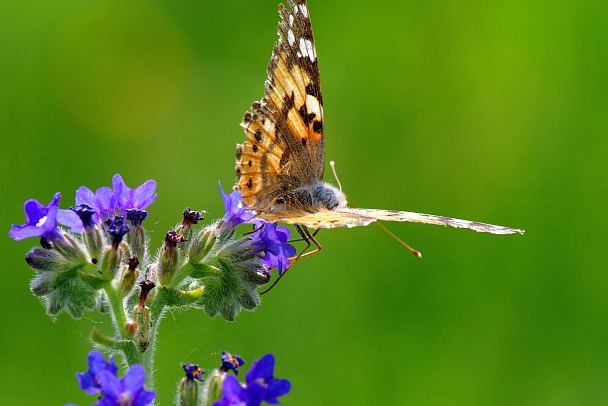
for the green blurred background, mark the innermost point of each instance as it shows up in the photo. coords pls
(492, 111)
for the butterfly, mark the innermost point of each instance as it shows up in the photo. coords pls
(280, 166)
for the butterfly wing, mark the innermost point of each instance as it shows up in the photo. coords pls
(285, 142)
(352, 217)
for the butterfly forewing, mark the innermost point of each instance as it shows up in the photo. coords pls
(285, 143)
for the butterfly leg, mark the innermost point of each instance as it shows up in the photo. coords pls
(309, 239)
(255, 230)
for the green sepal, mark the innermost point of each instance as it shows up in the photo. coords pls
(212, 388)
(202, 243)
(93, 239)
(143, 317)
(188, 391)
(42, 260)
(138, 241)
(64, 291)
(198, 270)
(228, 293)
(176, 298)
(167, 263)
(110, 261)
(125, 280)
(70, 249)
(93, 281)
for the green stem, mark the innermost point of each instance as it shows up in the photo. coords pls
(132, 355)
(118, 310)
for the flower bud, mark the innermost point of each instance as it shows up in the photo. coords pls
(117, 228)
(188, 387)
(168, 257)
(212, 389)
(203, 242)
(142, 317)
(45, 260)
(137, 236)
(93, 240)
(190, 217)
(131, 329)
(69, 248)
(128, 276)
(110, 261)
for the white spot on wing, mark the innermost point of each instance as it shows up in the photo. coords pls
(290, 37)
(269, 126)
(307, 49)
(304, 10)
(312, 104)
(291, 19)
(303, 49)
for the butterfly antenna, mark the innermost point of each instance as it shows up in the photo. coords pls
(333, 169)
(413, 251)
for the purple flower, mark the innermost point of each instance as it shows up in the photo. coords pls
(193, 372)
(231, 362)
(41, 221)
(127, 198)
(103, 202)
(117, 229)
(272, 241)
(261, 374)
(136, 216)
(234, 394)
(128, 390)
(88, 381)
(236, 213)
(85, 213)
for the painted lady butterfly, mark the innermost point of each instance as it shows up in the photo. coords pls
(280, 166)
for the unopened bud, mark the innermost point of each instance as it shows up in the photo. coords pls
(188, 387)
(168, 257)
(128, 276)
(131, 329)
(202, 243)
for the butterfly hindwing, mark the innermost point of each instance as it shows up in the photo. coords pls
(351, 217)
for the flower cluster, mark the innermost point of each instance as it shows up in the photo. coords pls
(90, 259)
(73, 266)
(223, 389)
(238, 265)
(113, 391)
(260, 385)
(42, 221)
(105, 232)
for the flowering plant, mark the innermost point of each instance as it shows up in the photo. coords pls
(95, 257)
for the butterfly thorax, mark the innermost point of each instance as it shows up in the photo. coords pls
(309, 198)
